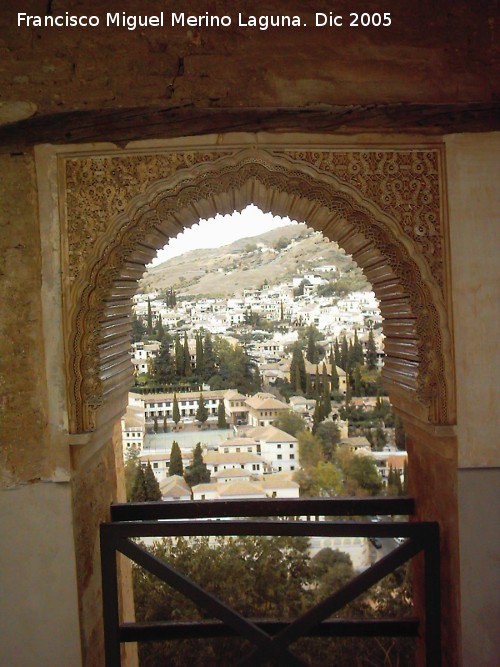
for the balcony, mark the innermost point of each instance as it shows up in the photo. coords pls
(271, 639)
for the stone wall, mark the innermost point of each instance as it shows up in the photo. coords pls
(426, 55)
(23, 402)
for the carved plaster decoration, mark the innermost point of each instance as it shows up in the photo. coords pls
(116, 226)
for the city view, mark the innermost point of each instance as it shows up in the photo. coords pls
(269, 390)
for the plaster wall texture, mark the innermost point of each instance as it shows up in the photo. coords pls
(39, 622)
(473, 170)
(446, 56)
(479, 511)
(433, 484)
(23, 390)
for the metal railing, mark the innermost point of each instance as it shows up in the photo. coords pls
(271, 638)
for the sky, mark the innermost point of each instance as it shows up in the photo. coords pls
(221, 230)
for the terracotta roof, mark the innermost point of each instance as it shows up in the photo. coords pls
(265, 402)
(174, 481)
(241, 489)
(234, 442)
(270, 434)
(231, 472)
(271, 482)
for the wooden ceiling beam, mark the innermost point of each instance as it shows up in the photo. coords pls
(121, 126)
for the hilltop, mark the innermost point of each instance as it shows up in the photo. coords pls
(273, 257)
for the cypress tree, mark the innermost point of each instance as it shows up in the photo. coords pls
(159, 329)
(175, 467)
(165, 427)
(357, 381)
(149, 327)
(335, 377)
(151, 486)
(350, 355)
(221, 415)
(162, 363)
(357, 352)
(197, 472)
(317, 392)
(202, 412)
(176, 415)
(317, 415)
(405, 478)
(326, 403)
(179, 357)
(348, 394)
(308, 391)
(312, 350)
(199, 354)
(371, 352)
(138, 493)
(337, 354)
(155, 424)
(208, 357)
(344, 354)
(187, 356)
(297, 370)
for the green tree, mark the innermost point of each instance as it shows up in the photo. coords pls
(162, 365)
(344, 354)
(149, 320)
(151, 486)
(326, 404)
(399, 434)
(331, 569)
(357, 350)
(199, 355)
(310, 450)
(197, 472)
(176, 414)
(187, 357)
(337, 354)
(209, 361)
(321, 480)
(297, 370)
(291, 423)
(329, 435)
(221, 415)
(138, 329)
(130, 469)
(257, 576)
(362, 476)
(160, 331)
(176, 466)
(371, 352)
(317, 415)
(179, 357)
(357, 381)
(155, 424)
(202, 411)
(138, 492)
(312, 354)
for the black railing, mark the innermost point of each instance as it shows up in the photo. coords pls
(271, 638)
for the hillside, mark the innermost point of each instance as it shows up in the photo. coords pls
(273, 257)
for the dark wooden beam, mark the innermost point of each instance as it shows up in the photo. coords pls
(121, 126)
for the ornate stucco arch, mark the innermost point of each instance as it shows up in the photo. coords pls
(381, 206)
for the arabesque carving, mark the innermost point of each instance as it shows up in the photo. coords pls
(115, 229)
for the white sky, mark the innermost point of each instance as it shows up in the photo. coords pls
(221, 230)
